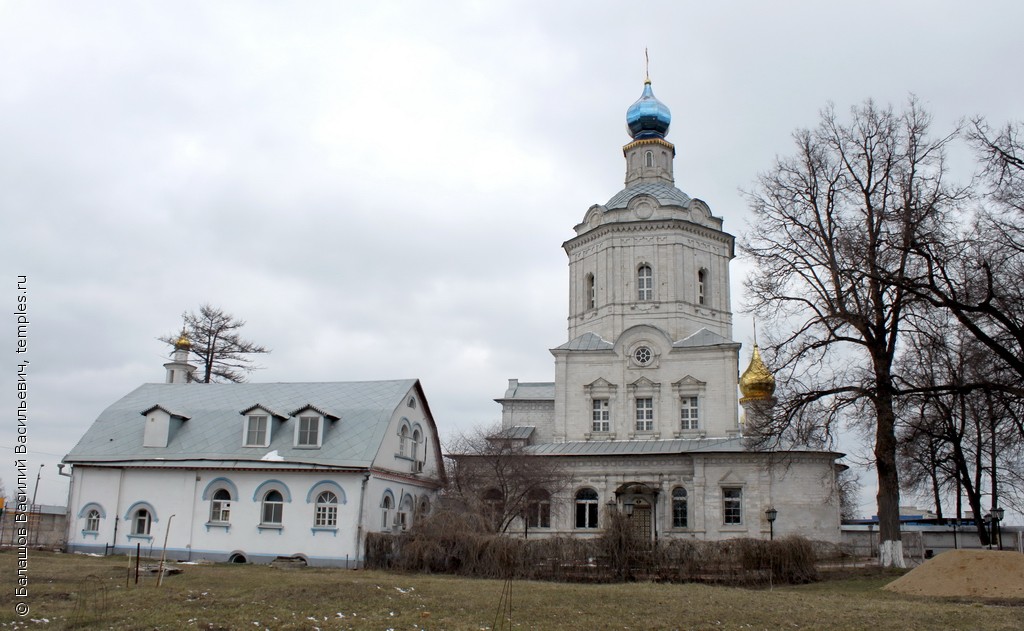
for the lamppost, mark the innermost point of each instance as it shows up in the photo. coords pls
(997, 519)
(34, 525)
(629, 507)
(771, 514)
(988, 528)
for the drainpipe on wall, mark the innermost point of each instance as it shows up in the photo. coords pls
(360, 518)
(69, 521)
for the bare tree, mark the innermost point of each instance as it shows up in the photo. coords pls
(492, 473)
(962, 432)
(215, 341)
(974, 270)
(831, 243)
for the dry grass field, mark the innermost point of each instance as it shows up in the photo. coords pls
(72, 591)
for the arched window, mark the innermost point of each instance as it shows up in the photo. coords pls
(386, 505)
(538, 509)
(702, 277)
(405, 512)
(92, 521)
(326, 515)
(679, 507)
(586, 508)
(415, 444)
(494, 506)
(403, 438)
(273, 508)
(645, 283)
(142, 521)
(590, 292)
(220, 507)
(649, 159)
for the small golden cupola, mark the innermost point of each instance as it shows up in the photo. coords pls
(757, 382)
(183, 344)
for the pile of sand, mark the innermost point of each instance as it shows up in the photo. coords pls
(970, 573)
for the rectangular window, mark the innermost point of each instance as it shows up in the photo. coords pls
(220, 511)
(256, 432)
(645, 415)
(601, 417)
(326, 516)
(538, 514)
(689, 413)
(732, 506)
(309, 432)
(586, 514)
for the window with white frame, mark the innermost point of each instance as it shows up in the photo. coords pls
(586, 508)
(403, 440)
(272, 513)
(142, 521)
(679, 507)
(415, 444)
(92, 521)
(601, 416)
(645, 283)
(494, 506)
(644, 414)
(220, 507)
(702, 277)
(386, 506)
(689, 412)
(307, 433)
(256, 430)
(732, 506)
(591, 292)
(326, 515)
(538, 509)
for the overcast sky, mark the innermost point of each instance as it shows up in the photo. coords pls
(381, 189)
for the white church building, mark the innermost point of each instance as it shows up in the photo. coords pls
(248, 472)
(643, 410)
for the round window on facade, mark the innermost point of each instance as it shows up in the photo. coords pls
(643, 355)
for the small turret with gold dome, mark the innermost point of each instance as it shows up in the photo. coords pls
(757, 382)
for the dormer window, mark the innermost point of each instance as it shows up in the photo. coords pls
(257, 430)
(308, 431)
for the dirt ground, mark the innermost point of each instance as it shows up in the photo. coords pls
(966, 573)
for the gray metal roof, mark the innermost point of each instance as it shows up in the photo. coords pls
(517, 432)
(213, 431)
(655, 447)
(632, 447)
(666, 194)
(703, 337)
(587, 342)
(537, 391)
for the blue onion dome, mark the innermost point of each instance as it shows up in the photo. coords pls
(648, 117)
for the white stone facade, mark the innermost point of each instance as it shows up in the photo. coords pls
(327, 464)
(643, 409)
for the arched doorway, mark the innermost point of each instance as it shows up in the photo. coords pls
(639, 501)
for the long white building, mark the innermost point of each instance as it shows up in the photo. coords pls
(250, 472)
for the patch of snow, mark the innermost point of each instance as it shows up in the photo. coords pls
(273, 456)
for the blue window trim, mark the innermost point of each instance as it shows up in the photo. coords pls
(316, 529)
(272, 485)
(278, 527)
(218, 524)
(143, 537)
(217, 484)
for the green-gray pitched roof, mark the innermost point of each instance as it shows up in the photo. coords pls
(214, 429)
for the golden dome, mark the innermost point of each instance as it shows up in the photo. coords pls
(183, 344)
(757, 382)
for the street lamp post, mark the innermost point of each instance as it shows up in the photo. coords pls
(34, 525)
(988, 528)
(771, 514)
